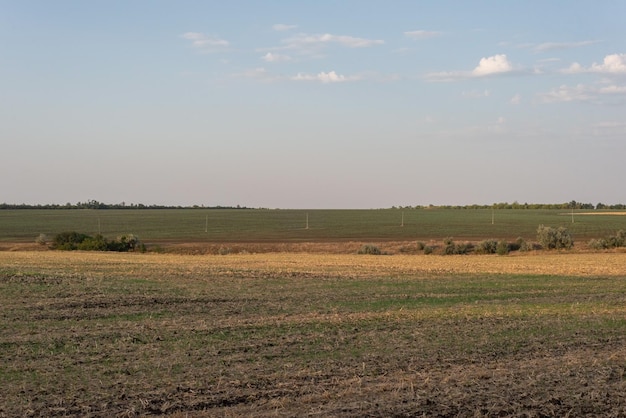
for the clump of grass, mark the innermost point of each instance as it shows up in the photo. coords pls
(224, 250)
(369, 249)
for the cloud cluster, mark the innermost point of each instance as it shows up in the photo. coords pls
(329, 77)
(612, 64)
(584, 93)
(311, 40)
(492, 65)
(487, 66)
(270, 57)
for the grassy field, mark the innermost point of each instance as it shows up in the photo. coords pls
(108, 334)
(200, 225)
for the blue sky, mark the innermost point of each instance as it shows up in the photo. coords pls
(302, 104)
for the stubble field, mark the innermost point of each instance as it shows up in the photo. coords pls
(295, 334)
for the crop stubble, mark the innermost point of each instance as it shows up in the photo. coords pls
(312, 335)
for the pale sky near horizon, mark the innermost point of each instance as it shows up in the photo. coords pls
(312, 104)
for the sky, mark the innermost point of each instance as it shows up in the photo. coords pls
(312, 104)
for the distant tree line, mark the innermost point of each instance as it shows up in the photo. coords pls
(515, 205)
(94, 204)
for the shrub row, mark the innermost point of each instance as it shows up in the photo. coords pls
(612, 241)
(70, 241)
(549, 238)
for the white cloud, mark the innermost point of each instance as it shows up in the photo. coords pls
(496, 64)
(281, 27)
(421, 34)
(551, 46)
(305, 40)
(269, 57)
(515, 100)
(567, 94)
(585, 93)
(205, 42)
(329, 77)
(612, 64)
(612, 90)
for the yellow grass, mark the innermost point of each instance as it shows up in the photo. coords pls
(548, 263)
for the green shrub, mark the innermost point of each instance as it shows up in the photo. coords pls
(525, 246)
(612, 241)
(551, 238)
(598, 244)
(488, 246)
(76, 241)
(420, 246)
(428, 249)
(617, 240)
(450, 247)
(97, 243)
(68, 241)
(502, 248)
(369, 249)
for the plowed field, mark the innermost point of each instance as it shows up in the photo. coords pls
(101, 335)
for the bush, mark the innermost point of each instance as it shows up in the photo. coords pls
(525, 246)
(502, 248)
(68, 240)
(598, 244)
(612, 241)
(97, 243)
(369, 249)
(551, 238)
(617, 240)
(488, 246)
(450, 247)
(420, 246)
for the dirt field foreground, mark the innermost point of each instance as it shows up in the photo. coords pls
(297, 334)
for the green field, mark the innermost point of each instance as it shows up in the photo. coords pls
(266, 335)
(256, 225)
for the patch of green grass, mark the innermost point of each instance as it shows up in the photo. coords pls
(255, 225)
